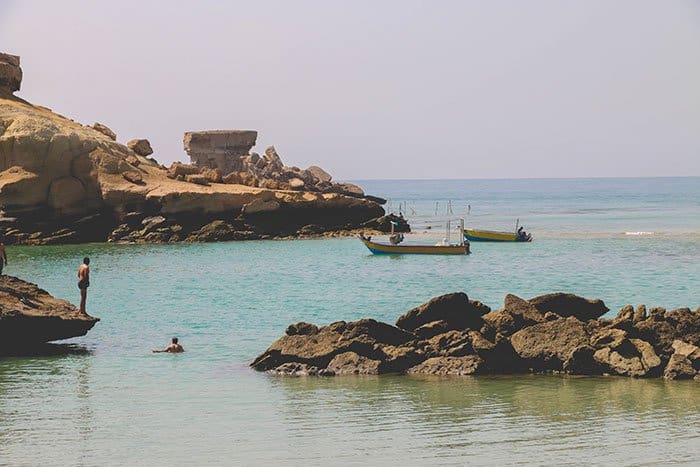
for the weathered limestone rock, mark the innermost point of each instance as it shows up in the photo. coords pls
(219, 149)
(431, 329)
(633, 357)
(565, 305)
(296, 184)
(448, 366)
(142, 147)
(448, 344)
(213, 175)
(349, 189)
(320, 174)
(215, 231)
(198, 179)
(350, 363)
(10, 73)
(105, 130)
(134, 176)
(548, 345)
(515, 315)
(30, 316)
(177, 169)
(679, 367)
(454, 309)
(260, 205)
(302, 328)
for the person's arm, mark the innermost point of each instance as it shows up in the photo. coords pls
(4, 255)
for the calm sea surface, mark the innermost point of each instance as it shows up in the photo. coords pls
(110, 401)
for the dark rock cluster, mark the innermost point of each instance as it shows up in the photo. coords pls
(138, 227)
(453, 335)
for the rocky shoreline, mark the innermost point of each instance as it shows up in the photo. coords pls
(64, 182)
(453, 335)
(30, 317)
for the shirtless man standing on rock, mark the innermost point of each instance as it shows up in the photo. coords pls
(84, 282)
(174, 347)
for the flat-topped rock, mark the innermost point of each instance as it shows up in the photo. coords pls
(30, 316)
(220, 140)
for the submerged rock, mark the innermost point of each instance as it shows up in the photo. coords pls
(30, 316)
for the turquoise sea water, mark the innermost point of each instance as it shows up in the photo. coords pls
(110, 401)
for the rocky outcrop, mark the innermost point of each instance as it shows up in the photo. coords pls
(10, 73)
(222, 149)
(63, 182)
(453, 336)
(30, 316)
(228, 152)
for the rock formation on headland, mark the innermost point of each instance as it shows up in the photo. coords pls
(224, 155)
(452, 335)
(30, 316)
(63, 182)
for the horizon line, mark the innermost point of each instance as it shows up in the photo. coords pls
(609, 177)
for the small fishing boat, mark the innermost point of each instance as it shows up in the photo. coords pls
(519, 235)
(397, 247)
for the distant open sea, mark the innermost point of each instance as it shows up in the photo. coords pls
(111, 402)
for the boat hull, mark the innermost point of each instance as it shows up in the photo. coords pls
(383, 249)
(491, 236)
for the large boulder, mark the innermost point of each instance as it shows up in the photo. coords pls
(10, 73)
(546, 346)
(142, 147)
(632, 357)
(320, 174)
(105, 130)
(685, 361)
(454, 309)
(30, 316)
(515, 315)
(566, 304)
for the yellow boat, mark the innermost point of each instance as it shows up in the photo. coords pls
(474, 235)
(386, 249)
(395, 246)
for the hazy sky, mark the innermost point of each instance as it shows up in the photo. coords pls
(392, 89)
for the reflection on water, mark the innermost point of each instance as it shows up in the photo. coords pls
(45, 350)
(540, 418)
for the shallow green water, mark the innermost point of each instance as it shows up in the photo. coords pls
(113, 402)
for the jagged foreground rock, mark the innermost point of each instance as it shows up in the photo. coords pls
(452, 335)
(63, 182)
(30, 316)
